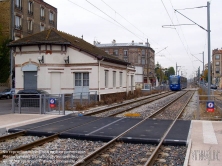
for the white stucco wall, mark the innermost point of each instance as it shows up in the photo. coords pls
(79, 61)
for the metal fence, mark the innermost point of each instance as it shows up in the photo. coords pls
(209, 107)
(50, 103)
(204, 102)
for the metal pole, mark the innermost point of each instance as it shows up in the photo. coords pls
(176, 68)
(203, 62)
(12, 37)
(208, 34)
(148, 61)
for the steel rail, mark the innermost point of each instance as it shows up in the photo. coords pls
(84, 161)
(37, 142)
(140, 104)
(124, 104)
(154, 155)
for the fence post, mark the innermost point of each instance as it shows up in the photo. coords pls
(198, 108)
(40, 104)
(71, 102)
(44, 102)
(63, 104)
(13, 103)
(19, 103)
(88, 97)
(81, 97)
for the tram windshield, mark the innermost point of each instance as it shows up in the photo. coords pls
(174, 80)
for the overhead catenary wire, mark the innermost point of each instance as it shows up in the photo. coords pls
(128, 21)
(183, 33)
(93, 13)
(114, 20)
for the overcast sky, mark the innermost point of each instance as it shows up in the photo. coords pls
(127, 20)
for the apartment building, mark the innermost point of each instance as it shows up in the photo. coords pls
(217, 67)
(21, 18)
(138, 54)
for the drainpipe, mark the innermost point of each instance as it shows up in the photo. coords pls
(127, 81)
(12, 37)
(99, 78)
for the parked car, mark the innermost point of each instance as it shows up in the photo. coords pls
(213, 86)
(7, 93)
(29, 97)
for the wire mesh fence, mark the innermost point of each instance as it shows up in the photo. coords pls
(209, 107)
(50, 103)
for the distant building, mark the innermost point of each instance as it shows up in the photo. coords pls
(217, 67)
(138, 54)
(20, 18)
(61, 63)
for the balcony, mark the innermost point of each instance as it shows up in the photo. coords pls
(42, 18)
(18, 27)
(30, 13)
(18, 7)
(51, 22)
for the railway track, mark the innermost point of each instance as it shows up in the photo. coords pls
(54, 137)
(127, 106)
(106, 154)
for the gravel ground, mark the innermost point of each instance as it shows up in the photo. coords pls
(172, 111)
(146, 110)
(124, 154)
(19, 141)
(171, 156)
(59, 152)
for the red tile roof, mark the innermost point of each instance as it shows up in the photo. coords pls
(53, 36)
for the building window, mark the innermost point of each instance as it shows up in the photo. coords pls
(217, 57)
(42, 14)
(42, 27)
(120, 79)
(18, 23)
(78, 81)
(143, 60)
(30, 8)
(85, 79)
(114, 79)
(18, 4)
(51, 18)
(217, 63)
(125, 52)
(30, 26)
(106, 78)
(217, 70)
(115, 52)
(143, 52)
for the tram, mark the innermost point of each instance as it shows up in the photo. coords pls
(177, 82)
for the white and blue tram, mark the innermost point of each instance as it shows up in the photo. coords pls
(177, 82)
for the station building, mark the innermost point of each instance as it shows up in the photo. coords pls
(60, 63)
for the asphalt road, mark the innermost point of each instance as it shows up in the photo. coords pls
(5, 106)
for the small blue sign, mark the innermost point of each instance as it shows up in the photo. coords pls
(210, 104)
(52, 101)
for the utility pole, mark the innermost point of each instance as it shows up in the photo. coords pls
(148, 61)
(208, 34)
(203, 62)
(177, 71)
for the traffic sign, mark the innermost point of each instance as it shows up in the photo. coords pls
(52, 101)
(210, 106)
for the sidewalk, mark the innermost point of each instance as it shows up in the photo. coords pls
(206, 143)
(12, 120)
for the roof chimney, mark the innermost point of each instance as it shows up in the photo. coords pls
(114, 41)
(132, 42)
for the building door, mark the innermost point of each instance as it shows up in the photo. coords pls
(81, 85)
(55, 83)
(30, 79)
